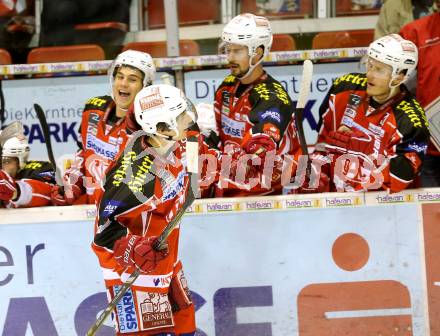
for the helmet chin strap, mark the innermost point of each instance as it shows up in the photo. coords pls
(251, 67)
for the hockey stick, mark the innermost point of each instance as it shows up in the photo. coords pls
(45, 128)
(192, 166)
(299, 112)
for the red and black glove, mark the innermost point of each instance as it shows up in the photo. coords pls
(259, 144)
(69, 193)
(138, 251)
(8, 187)
(354, 141)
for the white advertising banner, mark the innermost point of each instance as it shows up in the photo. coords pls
(62, 99)
(258, 273)
(200, 86)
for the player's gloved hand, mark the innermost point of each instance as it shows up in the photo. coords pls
(138, 251)
(71, 190)
(353, 141)
(206, 119)
(259, 144)
(65, 195)
(8, 187)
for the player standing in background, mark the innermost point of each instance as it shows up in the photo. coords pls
(425, 34)
(253, 111)
(143, 191)
(103, 130)
(373, 132)
(23, 183)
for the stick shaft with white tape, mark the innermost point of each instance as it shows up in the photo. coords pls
(301, 103)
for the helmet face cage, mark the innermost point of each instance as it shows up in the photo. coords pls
(393, 50)
(159, 104)
(136, 59)
(249, 30)
(18, 148)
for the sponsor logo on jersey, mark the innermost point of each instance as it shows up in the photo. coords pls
(110, 207)
(96, 101)
(126, 312)
(47, 175)
(112, 140)
(226, 98)
(350, 112)
(376, 130)
(91, 129)
(93, 118)
(347, 121)
(273, 115)
(155, 310)
(354, 101)
(171, 190)
(100, 147)
(232, 127)
(417, 147)
(33, 165)
(272, 131)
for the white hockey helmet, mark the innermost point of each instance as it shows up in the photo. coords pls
(137, 59)
(249, 30)
(393, 50)
(161, 103)
(18, 147)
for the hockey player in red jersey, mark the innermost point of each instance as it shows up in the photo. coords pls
(425, 33)
(253, 111)
(23, 183)
(102, 130)
(144, 189)
(373, 133)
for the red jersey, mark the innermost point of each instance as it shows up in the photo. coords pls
(101, 139)
(425, 34)
(262, 107)
(35, 181)
(398, 127)
(141, 195)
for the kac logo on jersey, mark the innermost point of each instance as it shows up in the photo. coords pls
(273, 115)
(232, 127)
(126, 313)
(100, 147)
(110, 207)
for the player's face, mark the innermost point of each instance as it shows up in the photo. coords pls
(238, 59)
(378, 78)
(127, 83)
(10, 165)
(184, 122)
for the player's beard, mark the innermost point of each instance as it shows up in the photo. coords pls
(238, 71)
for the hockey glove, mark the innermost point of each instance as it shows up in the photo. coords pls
(259, 144)
(8, 187)
(138, 251)
(352, 142)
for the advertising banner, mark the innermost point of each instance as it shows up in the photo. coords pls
(361, 271)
